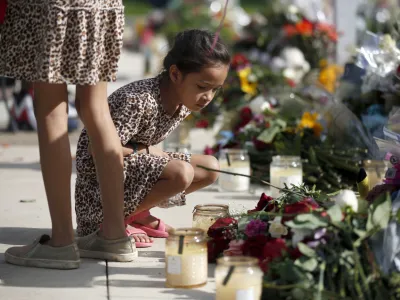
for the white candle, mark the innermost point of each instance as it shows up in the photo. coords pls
(235, 183)
(284, 175)
(188, 269)
(244, 283)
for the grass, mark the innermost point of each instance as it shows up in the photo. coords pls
(142, 7)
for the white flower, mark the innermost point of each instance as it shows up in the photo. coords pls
(299, 234)
(259, 104)
(276, 228)
(347, 198)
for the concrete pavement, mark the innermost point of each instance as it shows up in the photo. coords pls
(24, 216)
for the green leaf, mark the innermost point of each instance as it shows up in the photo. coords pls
(308, 264)
(268, 135)
(360, 233)
(398, 216)
(380, 213)
(243, 221)
(307, 221)
(335, 213)
(307, 251)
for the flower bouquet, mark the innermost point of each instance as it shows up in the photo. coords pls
(311, 245)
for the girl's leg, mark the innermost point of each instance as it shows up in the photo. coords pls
(50, 106)
(201, 179)
(93, 109)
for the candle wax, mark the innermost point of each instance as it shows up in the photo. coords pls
(234, 183)
(241, 286)
(280, 175)
(187, 269)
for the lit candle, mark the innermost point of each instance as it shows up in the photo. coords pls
(238, 277)
(186, 258)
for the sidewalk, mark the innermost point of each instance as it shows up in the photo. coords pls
(24, 216)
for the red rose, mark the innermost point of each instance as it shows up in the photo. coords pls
(239, 60)
(273, 249)
(202, 124)
(216, 247)
(295, 253)
(302, 207)
(265, 203)
(260, 146)
(223, 228)
(3, 8)
(245, 116)
(254, 246)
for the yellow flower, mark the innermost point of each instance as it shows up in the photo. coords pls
(309, 120)
(328, 75)
(247, 86)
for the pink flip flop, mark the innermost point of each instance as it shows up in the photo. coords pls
(160, 232)
(136, 231)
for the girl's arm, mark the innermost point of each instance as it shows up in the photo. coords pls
(126, 150)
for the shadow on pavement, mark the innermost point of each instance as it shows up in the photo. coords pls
(45, 278)
(20, 235)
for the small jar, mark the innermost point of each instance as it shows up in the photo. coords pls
(205, 215)
(376, 170)
(285, 170)
(236, 161)
(186, 263)
(238, 277)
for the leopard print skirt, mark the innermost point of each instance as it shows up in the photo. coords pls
(141, 173)
(62, 41)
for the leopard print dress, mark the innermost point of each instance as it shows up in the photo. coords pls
(139, 116)
(62, 41)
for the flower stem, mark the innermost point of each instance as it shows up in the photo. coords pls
(252, 177)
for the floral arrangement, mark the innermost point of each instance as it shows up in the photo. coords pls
(293, 127)
(282, 26)
(312, 245)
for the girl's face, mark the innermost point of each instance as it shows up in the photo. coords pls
(196, 90)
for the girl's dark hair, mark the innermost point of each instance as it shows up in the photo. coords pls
(193, 50)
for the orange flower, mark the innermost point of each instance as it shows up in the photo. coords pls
(305, 27)
(329, 30)
(290, 30)
(309, 120)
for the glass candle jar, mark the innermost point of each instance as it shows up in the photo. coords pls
(205, 215)
(236, 161)
(376, 170)
(186, 258)
(238, 277)
(285, 170)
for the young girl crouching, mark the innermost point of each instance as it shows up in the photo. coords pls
(145, 112)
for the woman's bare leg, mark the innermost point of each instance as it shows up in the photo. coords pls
(51, 106)
(93, 109)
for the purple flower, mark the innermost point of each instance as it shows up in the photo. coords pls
(255, 227)
(319, 237)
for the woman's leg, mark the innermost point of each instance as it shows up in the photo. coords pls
(93, 109)
(50, 106)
